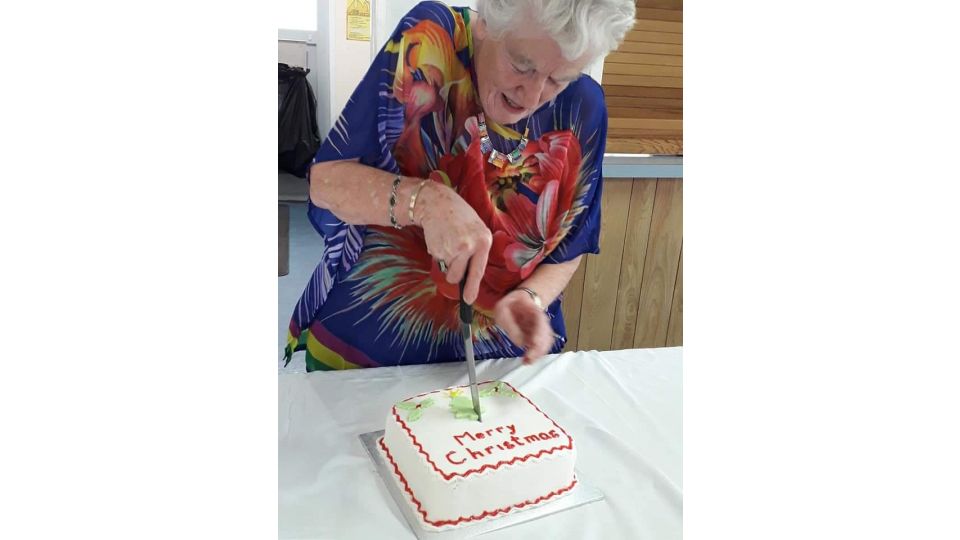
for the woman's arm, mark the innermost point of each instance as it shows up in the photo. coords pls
(518, 315)
(359, 194)
(454, 233)
(549, 280)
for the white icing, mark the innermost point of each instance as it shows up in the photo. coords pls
(482, 474)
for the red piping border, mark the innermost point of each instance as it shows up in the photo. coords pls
(462, 519)
(450, 476)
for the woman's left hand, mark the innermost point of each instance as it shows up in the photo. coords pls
(525, 324)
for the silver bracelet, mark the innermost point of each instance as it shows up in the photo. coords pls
(393, 202)
(534, 295)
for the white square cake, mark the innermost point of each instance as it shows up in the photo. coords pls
(457, 471)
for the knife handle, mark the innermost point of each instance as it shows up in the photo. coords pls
(466, 310)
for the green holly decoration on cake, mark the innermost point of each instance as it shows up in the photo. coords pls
(415, 409)
(462, 408)
(500, 389)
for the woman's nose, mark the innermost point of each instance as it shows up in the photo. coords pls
(532, 92)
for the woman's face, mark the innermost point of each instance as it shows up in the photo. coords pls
(520, 72)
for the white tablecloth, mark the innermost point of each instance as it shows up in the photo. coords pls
(623, 409)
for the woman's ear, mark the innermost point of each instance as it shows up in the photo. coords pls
(480, 29)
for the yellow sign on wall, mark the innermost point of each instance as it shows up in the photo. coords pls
(358, 20)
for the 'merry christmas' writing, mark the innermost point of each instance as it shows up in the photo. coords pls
(509, 444)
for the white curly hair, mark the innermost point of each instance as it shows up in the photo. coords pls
(579, 27)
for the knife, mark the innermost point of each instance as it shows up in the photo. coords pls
(466, 320)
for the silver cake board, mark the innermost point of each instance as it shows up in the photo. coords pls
(578, 496)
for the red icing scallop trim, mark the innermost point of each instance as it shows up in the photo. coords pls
(464, 519)
(450, 476)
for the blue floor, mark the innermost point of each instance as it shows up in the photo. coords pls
(306, 246)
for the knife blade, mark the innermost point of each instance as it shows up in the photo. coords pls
(466, 328)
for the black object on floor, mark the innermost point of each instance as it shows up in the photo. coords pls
(283, 227)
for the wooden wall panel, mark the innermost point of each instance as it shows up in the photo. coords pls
(660, 265)
(643, 91)
(626, 57)
(637, 132)
(630, 123)
(570, 305)
(638, 112)
(675, 327)
(614, 68)
(642, 80)
(649, 144)
(602, 273)
(675, 5)
(652, 48)
(653, 25)
(650, 60)
(641, 102)
(646, 36)
(631, 295)
(631, 266)
(654, 14)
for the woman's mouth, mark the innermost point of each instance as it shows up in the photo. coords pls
(510, 105)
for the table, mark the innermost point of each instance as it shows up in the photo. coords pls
(623, 409)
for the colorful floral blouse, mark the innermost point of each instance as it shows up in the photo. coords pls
(377, 298)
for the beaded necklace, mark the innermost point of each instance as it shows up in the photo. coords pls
(499, 159)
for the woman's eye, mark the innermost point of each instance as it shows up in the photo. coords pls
(519, 71)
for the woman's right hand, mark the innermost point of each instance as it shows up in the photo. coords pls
(454, 234)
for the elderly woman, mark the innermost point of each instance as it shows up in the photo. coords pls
(470, 151)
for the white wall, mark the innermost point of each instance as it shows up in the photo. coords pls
(336, 64)
(351, 59)
(294, 53)
(296, 14)
(324, 65)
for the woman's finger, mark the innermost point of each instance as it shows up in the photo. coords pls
(456, 268)
(478, 265)
(506, 321)
(541, 336)
(545, 338)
